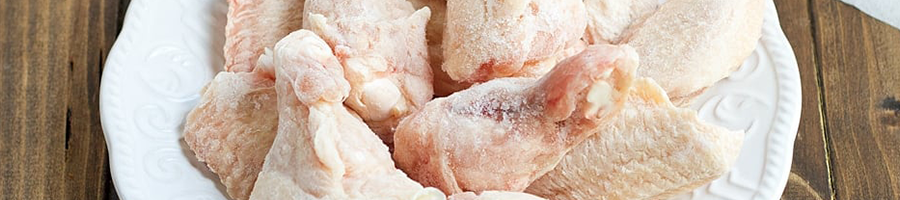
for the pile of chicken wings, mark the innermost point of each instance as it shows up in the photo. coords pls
(470, 99)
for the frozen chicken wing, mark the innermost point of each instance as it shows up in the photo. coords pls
(381, 46)
(254, 25)
(232, 128)
(503, 134)
(688, 45)
(322, 149)
(487, 39)
(651, 150)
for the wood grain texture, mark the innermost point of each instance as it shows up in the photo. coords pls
(51, 57)
(94, 32)
(810, 170)
(798, 188)
(858, 59)
(35, 91)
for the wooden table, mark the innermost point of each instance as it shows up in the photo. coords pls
(52, 54)
(848, 145)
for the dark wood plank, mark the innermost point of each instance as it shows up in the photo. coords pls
(35, 87)
(94, 30)
(798, 188)
(858, 60)
(810, 170)
(51, 56)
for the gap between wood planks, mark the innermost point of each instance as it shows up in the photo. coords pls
(820, 90)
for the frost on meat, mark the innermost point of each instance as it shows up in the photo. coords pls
(381, 46)
(254, 25)
(233, 126)
(651, 150)
(689, 45)
(322, 149)
(487, 39)
(503, 134)
(610, 21)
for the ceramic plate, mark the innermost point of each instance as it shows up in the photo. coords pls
(169, 49)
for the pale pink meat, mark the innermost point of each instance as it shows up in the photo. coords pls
(322, 149)
(651, 150)
(689, 45)
(610, 21)
(381, 46)
(254, 25)
(685, 45)
(505, 133)
(434, 34)
(233, 126)
(487, 39)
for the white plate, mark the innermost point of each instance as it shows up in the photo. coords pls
(169, 49)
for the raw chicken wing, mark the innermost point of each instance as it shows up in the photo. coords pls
(487, 39)
(651, 150)
(381, 46)
(688, 45)
(323, 150)
(505, 133)
(232, 128)
(254, 25)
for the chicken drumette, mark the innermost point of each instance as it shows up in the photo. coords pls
(382, 49)
(322, 149)
(503, 134)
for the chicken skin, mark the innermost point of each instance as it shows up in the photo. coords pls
(382, 49)
(254, 25)
(487, 39)
(233, 126)
(651, 150)
(610, 21)
(689, 45)
(322, 149)
(505, 133)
